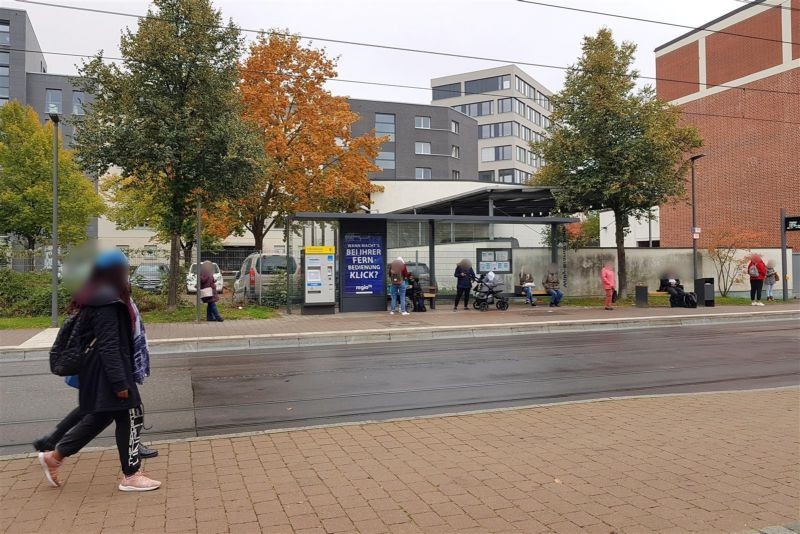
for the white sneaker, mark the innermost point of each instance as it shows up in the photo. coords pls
(392, 312)
(753, 303)
(759, 303)
(406, 313)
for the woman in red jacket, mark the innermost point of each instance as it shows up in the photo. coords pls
(609, 281)
(757, 271)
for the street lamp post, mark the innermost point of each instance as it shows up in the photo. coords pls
(695, 234)
(54, 252)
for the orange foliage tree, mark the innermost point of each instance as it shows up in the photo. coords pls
(314, 162)
(729, 252)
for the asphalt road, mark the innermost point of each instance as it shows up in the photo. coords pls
(207, 394)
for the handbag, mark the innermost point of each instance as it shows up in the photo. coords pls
(206, 292)
(614, 296)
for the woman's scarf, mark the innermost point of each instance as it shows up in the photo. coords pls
(141, 354)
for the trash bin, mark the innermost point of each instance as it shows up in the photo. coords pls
(641, 297)
(704, 289)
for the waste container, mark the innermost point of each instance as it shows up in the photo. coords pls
(704, 289)
(641, 297)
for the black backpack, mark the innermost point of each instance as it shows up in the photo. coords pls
(690, 300)
(70, 348)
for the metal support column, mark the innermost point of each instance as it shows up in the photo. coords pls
(784, 262)
(198, 240)
(54, 252)
(554, 243)
(491, 214)
(432, 250)
(287, 240)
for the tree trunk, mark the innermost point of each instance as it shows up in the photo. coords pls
(620, 223)
(174, 268)
(258, 230)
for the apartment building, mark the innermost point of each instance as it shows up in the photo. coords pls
(511, 108)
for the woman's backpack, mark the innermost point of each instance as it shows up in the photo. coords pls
(70, 348)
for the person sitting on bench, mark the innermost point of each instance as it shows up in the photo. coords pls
(670, 283)
(528, 285)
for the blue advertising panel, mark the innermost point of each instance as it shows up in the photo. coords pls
(363, 265)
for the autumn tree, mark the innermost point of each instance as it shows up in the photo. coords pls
(729, 252)
(611, 146)
(129, 207)
(169, 115)
(314, 162)
(26, 186)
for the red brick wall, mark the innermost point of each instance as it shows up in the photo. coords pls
(729, 57)
(751, 168)
(681, 64)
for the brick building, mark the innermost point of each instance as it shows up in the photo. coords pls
(742, 92)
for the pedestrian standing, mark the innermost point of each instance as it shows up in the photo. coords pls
(551, 284)
(757, 272)
(609, 281)
(464, 276)
(208, 291)
(771, 279)
(117, 359)
(398, 276)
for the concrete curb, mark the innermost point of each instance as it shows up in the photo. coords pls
(426, 333)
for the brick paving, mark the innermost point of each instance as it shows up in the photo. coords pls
(724, 462)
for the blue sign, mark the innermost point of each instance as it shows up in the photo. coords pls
(363, 265)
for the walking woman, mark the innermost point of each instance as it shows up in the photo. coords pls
(116, 362)
(757, 271)
(464, 276)
(609, 280)
(209, 286)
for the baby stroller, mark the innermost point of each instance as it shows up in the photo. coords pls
(488, 291)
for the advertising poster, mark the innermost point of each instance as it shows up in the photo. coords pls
(363, 265)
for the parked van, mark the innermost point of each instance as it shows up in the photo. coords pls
(258, 271)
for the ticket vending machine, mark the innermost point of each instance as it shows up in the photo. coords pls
(319, 280)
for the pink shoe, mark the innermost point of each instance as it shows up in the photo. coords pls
(138, 482)
(50, 467)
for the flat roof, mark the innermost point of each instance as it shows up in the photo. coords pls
(747, 5)
(520, 201)
(410, 217)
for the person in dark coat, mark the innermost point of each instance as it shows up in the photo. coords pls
(464, 277)
(207, 282)
(115, 361)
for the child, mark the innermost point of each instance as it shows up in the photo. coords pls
(771, 279)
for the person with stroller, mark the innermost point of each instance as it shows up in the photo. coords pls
(551, 283)
(464, 276)
(771, 279)
(398, 276)
(119, 360)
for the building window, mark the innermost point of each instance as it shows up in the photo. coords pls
(385, 160)
(384, 126)
(422, 148)
(522, 155)
(505, 105)
(455, 127)
(478, 109)
(77, 103)
(422, 173)
(496, 153)
(447, 91)
(5, 35)
(422, 122)
(521, 177)
(456, 175)
(505, 176)
(4, 83)
(487, 84)
(486, 176)
(52, 101)
(455, 152)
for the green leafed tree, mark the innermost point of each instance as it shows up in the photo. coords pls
(168, 115)
(612, 146)
(26, 182)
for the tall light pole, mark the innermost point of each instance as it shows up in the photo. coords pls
(54, 252)
(695, 232)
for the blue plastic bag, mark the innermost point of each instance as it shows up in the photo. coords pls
(72, 381)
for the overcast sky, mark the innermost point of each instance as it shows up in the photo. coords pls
(502, 29)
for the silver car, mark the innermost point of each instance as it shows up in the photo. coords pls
(150, 276)
(256, 273)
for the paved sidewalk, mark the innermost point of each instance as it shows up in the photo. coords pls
(360, 322)
(724, 462)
